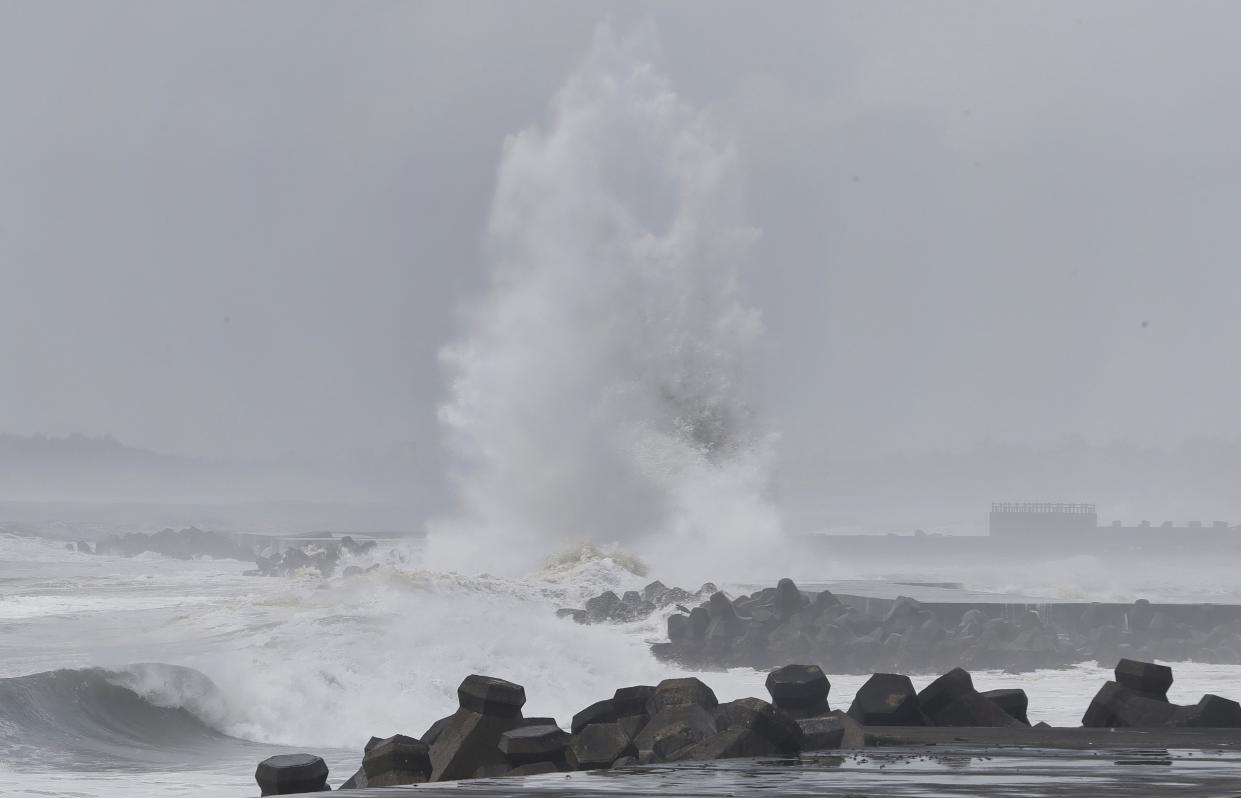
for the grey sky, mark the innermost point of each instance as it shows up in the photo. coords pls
(243, 228)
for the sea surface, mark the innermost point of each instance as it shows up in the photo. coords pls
(152, 676)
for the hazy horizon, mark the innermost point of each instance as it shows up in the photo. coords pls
(944, 492)
(962, 240)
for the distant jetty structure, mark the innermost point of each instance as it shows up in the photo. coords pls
(1079, 523)
(1042, 520)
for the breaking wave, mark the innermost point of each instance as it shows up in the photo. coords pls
(136, 715)
(602, 388)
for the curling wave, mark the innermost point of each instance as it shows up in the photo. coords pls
(139, 716)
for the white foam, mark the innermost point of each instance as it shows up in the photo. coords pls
(602, 390)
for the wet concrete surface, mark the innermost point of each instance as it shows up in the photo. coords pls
(945, 764)
(1052, 737)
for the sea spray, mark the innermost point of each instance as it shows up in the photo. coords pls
(602, 388)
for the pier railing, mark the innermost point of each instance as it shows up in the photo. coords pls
(1043, 507)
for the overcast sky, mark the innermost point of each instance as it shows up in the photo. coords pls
(246, 228)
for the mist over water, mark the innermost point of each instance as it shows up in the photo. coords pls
(602, 389)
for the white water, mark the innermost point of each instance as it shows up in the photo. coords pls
(602, 387)
(325, 666)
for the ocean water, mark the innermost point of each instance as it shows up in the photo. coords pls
(154, 676)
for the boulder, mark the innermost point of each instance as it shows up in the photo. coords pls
(633, 724)
(679, 628)
(397, 760)
(763, 617)
(718, 606)
(1146, 678)
(699, 621)
(599, 712)
(831, 731)
(654, 592)
(1014, 702)
(632, 607)
(633, 700)
(720, 639)
(1140, 615)
(787, 641)
(672, 741)
(951, 700)
(467, 742)
(892, 645)
(488, 695)
(997, 630)
(937, 695)
(788, 598)
(294, 559)
(725, 623)
(928, 632)
(765, 720)
(356, 547)
(430, 735)
(973, 709)
(904, 609)
(887, 699)
(526, 745)
(1211, 712)
(358, 780)
(1116, 706)
(355, 782)
(601, 607)
(599, 745)
(800, 690)
(469, 739)
(826, 600)
(679, 692)
(672, 729)
(729, 744)
(288, 774)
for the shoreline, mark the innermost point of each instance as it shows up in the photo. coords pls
(680, 723)
(1185, 763)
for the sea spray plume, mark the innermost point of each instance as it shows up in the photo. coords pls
(602, 389)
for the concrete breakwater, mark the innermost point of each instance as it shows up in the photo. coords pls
(862, 634)
(681, 721)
